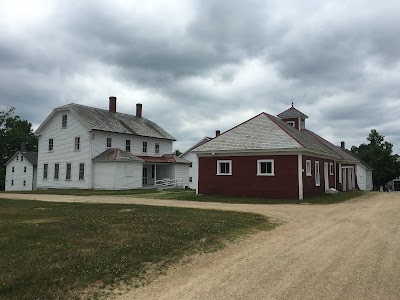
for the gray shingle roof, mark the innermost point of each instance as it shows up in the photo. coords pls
(115, 154)
(103, 120)
(292, 113)
(263, 132)
(30, 156)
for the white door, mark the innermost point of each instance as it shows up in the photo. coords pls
(326, 178)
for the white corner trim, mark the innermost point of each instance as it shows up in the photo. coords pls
(300, 175)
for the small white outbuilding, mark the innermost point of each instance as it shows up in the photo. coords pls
(21, 171)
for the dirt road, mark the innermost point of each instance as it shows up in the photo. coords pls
(343, 251)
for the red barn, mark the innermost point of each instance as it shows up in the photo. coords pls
(266, 157)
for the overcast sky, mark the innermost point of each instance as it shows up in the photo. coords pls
(198, 66)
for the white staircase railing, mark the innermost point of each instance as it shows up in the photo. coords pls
(168, 183)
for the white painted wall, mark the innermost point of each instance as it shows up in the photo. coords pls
(19, 176)
(194, 170)
(117, 175)
(364, 178)
(119, 141)
(64, 152)
(181, 171)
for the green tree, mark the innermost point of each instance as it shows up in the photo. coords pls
(379, 155)
(177, 152)
(13, 131)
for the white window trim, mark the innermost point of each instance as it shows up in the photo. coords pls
(317, 174)
(259, 161)
(77, 146)
(219, 167)
(79, 171)
(331, 169)
(308, 167)
(291, 123)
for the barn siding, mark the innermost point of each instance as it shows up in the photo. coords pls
(193, 170)
(244, 180)
(309, 187)
(117, 175)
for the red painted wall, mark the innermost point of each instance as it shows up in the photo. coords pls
(244, 180)
(296, 122)
(309, 187)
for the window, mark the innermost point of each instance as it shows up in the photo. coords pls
(190, 179)
(24, 182)
(128, 145)
(331, 168)
(22, 158)
(13, 169)
(64, 121)
(153, 171)
(109, 142)
(81, 171)
(302, 125)
(317, 179)
(45, 171)
(68, 172)
(157, 148)
(51, 144)
(77, 143)
(144, 147)
(12, 182)
(56, 170)
(24, 169)
(224, 167)
(191, 165)
(265, 167)
(144, 181)
(17, 157)
(308, 168)
(291, 123)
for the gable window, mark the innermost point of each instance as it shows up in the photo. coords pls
(56, 170)
(64, 121)
(81, 171)
(77, 143)
(24, 182)
(308, 168)
(302, 125)
(265, 167)
(317, 178)
(45, 171)
(291, 123)
(331, 168)
(224, 167)
(24, 169)
(68, 172)
(128, 145)
(22, 158)
(51, 144)
(157, 148)
(13, 169)
(17, 157)
(109, 142)
(144, 147)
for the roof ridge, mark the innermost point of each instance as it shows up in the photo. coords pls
(282, 127)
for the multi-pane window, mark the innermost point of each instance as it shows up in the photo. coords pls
(317, 178)
(24, 182)
(64, 121)
(13, 169)
(56, 171)
(144, 181)
(51, 144)
(22, 158)
(109, 142)
(128, 145)
(190, 179)
(68, 172)
(144, 147)
(45, 171)
(291, 123)
(17, 157)
(12, 182)
(331, 168)
(77, 143)
(265, 167)
(308, 167)
(224, 167)
(81, 171)
(157, 150)
(24, 169)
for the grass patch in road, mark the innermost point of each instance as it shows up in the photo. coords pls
(57, 250)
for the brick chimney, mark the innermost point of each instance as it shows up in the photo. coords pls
(342, 145)
(23, 147)
(113, 104)
(217, 133)
(138, 110)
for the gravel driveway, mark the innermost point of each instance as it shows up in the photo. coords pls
(342, 251)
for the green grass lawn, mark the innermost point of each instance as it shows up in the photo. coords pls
(58, 250)
(190, 195)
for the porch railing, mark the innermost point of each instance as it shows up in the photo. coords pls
(168, 183)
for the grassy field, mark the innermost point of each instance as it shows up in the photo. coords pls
(61, 250)
(190, 195)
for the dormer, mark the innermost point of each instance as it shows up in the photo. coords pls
(294, 117)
